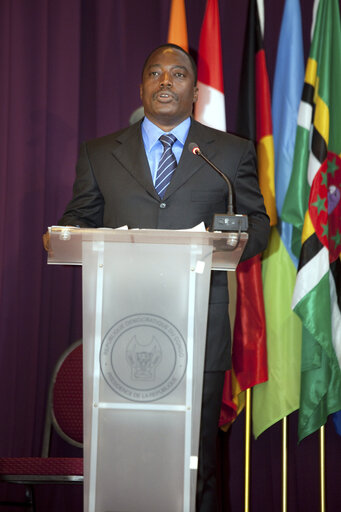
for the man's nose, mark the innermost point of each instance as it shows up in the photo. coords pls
(166, 80)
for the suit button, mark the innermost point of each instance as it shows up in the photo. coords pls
(163, 205)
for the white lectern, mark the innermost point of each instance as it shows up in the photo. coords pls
(145, 302)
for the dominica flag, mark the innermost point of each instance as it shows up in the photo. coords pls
(313, 206)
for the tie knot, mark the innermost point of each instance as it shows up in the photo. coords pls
(167, 139)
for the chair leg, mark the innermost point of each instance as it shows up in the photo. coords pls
(29, 502)
(30, 498)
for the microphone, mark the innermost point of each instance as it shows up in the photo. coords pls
(227, 221)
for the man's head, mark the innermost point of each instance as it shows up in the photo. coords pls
(168, 89)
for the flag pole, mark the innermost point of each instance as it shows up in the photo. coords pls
(322, 468)
(284, 463)
(247, 448)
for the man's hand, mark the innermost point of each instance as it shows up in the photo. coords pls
(46, 241)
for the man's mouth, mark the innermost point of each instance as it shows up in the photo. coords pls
(164, 96)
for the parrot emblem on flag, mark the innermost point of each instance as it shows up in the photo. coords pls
(325, 204)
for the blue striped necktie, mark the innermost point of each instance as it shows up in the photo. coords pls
(167, 164)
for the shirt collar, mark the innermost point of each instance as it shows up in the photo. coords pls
(153, 132)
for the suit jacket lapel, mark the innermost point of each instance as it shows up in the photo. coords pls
(130, 152)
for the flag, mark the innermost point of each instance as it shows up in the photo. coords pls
(177, 28)
(337, 421)
(254, 120)
(312, 204)
(210, 107)
(249, 359)
(210, 110)
(279, 396)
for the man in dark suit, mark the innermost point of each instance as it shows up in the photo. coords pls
(115, 186)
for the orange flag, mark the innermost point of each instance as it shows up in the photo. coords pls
(177, 29)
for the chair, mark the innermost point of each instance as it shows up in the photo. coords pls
(64, 414)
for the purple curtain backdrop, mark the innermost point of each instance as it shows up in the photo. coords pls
(70, 70)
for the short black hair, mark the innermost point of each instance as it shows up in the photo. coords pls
(175, 47)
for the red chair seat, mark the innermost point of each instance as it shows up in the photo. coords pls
(41, 466)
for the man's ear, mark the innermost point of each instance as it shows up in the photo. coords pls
(141, 93)
(195, 95)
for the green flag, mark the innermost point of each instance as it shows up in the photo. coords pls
(279, 396)
(313, 206)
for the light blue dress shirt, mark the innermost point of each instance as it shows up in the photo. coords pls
(154, 148)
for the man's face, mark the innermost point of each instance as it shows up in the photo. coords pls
(167, 90)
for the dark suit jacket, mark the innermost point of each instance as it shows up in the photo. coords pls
(114, 188)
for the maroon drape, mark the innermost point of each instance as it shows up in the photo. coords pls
(70, 70)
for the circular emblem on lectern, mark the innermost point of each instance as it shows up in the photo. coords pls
(143, 357)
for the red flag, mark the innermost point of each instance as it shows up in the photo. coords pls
(249, 359)
(210, 107)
